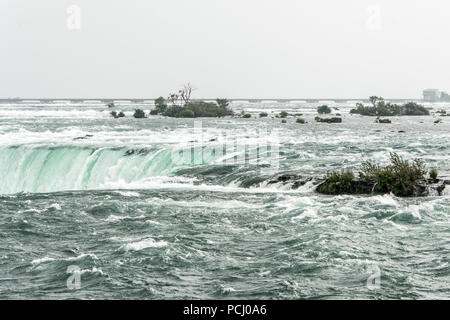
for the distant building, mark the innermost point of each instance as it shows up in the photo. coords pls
(445, 96)
(431, 95)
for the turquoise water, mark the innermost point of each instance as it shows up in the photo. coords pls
(165, 208)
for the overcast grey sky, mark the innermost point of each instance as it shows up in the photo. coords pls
(226, 48)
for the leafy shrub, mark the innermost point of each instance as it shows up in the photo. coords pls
(398, 177)
(139, 113)
(433, 174)
(206, 109)
(328, 120)
(187, 113)
(283, 114)
(173, 111)
(382, 109)
(198, 109)
(337, 182)
(117, 115)
(283, 121)
(160, 105)
(323, 109)
(223, 103)
(414, 109)
(153, 112)
(263, 114)
(246, 115)
(300, 120)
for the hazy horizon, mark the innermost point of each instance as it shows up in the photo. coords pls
(235, 49)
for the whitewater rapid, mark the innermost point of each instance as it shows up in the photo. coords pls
(158, 209)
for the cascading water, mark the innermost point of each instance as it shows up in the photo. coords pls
(50, 169)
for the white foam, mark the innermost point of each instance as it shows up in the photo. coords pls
(128, 193)
(386, 199)
(56, 206)
(42, 260)
(143, 244)
(93, 270)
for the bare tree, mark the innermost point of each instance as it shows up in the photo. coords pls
(186, 92)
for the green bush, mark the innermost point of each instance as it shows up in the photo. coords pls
(187, 113)
(173, 111)
(263, 114)
(433, 174)
(398, 177)
(223, 103)
(283, 114)
(207, 109)
(111, 105)
(153, 112)
(117, 115)
(323, 109)
(414, 109)
(337, 183)
(160, 105)
(283, 121)
(382, 109)
(300, 120)
(328, 120)
(246, 115)
(198, 109)
(139, 113)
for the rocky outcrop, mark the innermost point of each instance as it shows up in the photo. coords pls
(421, 188)
(295, 181)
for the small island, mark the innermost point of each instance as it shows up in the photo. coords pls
(401, 178)
(180, 105)
(381, 108)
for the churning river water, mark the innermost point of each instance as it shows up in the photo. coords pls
(93, 207)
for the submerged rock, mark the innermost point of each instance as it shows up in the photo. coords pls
(328, 120)
(383, 120)
(296, 181)
(85, 137)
